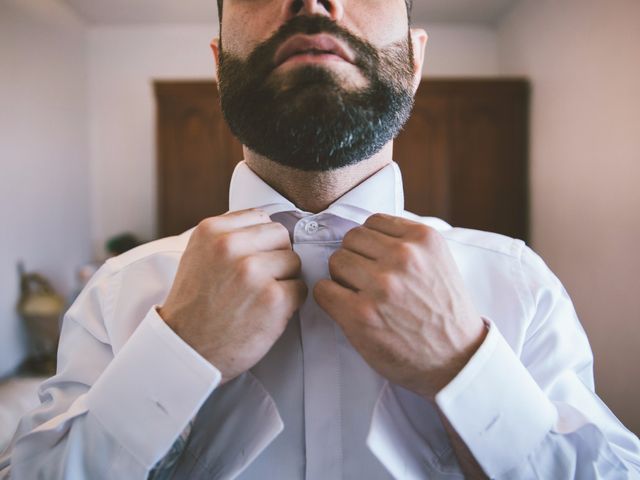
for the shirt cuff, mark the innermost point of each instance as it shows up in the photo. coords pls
(151, 390)
(496, 407)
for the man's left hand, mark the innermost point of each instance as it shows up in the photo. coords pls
(400, 300)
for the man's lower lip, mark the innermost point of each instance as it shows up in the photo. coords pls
(313, 58)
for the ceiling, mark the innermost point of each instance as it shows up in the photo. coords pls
(115, 12)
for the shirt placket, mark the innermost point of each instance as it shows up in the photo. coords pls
(321, 357)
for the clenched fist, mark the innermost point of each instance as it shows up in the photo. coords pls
(400, 300)
(236, 287)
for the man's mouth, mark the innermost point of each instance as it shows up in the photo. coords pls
(313, 49)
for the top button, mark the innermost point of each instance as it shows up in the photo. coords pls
(311, 227)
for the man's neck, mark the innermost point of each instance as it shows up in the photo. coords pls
(315, 191)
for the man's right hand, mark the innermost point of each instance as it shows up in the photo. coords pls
(236, 287)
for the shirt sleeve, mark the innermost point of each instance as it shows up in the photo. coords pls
(130, 406)
(536, 415)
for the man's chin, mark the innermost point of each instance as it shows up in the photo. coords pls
(304, 76)
(312, 98)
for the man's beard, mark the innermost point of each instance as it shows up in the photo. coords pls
(306, 119)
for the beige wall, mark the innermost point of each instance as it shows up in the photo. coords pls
(44, 173)
(455, 50)
(583, 58)
(123, 63)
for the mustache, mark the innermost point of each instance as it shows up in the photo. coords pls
(262, 57)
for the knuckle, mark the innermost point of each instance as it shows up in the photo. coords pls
(319, 289)
(388, 286)
(208, 226)
(280, 229)
(272, 296)
(334, 260)
(284, 235)
(423, 233)
(377, 216)
(405, 255)
(259, 213)
(248, 269)
(224, 245)
(296, 262)
(279, 233)
(364, 312)
(351, 236)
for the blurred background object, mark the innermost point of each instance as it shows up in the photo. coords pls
(41, 308)
(122, 243)
(84, 274)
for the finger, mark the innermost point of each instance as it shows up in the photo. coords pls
(351, 270)
(334, 299)
(295, 293)
(369, 243)
(234, 220)
(280, 264)
(263, 237)
(389, 225)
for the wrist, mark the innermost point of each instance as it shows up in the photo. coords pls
(164, 315)
(439, 378)
(169, 317)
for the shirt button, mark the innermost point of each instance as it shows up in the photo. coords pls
(311, 228)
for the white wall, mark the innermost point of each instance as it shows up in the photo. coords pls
(124, 61)
(461, 51)
(44, 194)
(583, 59)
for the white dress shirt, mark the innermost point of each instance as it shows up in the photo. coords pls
(128, 387)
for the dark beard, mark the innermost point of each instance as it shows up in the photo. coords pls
(309, 121)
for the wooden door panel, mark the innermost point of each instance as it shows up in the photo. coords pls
(489, 170)
(422, 150)
(197, 154)
(464, 154)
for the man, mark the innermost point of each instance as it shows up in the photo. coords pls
(317, 330)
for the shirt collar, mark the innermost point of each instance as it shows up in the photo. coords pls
(380, 193)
